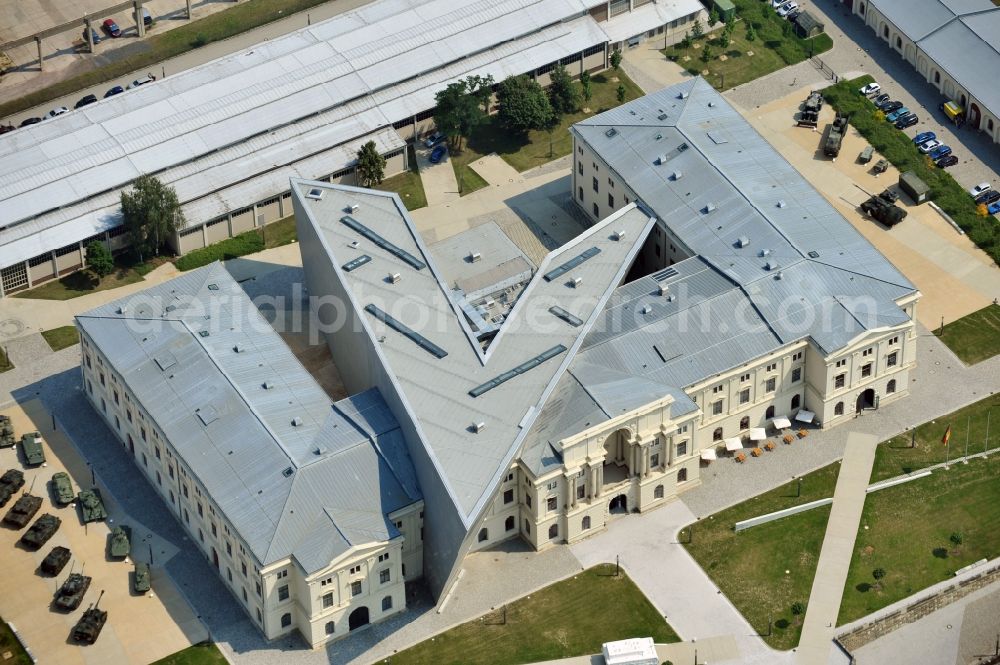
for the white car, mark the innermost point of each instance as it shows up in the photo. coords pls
(140, 81)
(869, 89)
(928, 146)
(59, 110)
(980, 189)
(787, 8)
(777, 3)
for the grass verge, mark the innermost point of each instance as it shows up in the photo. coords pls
(569, 618)
(128, 270)
(975, 337)
(749, 567)
(8, 642)
(281, 232)
(275, 234)
(898, 148)
(156, 48)
(408, 184)
(205, 653)
(61, 337)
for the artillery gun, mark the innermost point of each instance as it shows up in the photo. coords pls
(70, 594)
(22, 511)
(40, 531)
(88, 628)
(92, 506)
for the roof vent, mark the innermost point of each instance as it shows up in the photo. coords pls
(296, 422)
(203, 333)
(742, 241)
(646, 309)
(664, 289)
(620, 234)
(780, 275)
(658, 136)
(354, 244)
(319, 450)
(315, 193)
(611, 132)
(661, 117)
(478, 427)
(813, 254)
(394, 277)
(771, 265)
(213, 287)
(676, 175)
(122, 309)
(576, 282)
(267, 385)
(682, 95)
(781, 203)
(661, 159)
(354, 207)
(709, 207)
(238, 348)
(670, 298)
(764, 252)
(287, 473)
(711, 105)
(475, 256)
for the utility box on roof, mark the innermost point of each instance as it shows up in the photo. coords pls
(915, 187)
(636, 651)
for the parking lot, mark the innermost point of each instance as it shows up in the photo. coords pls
(28, 594)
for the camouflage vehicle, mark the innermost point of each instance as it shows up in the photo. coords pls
(11, 481)
(22, 511)
(70, 594)
(881, 166)
(31, 445)
(55, 561)
(140, 581)
(62, 488)
(809, 115)
(92, 506)
(835, 137)
(88, 628)
(881, 210)
(7, 439)
(120, 546)
(40, 531)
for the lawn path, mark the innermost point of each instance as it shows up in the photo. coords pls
(838, 547)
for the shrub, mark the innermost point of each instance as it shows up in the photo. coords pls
(245, 243)
(798, 608)
(878, 574)
(956, 539)
(99, 258)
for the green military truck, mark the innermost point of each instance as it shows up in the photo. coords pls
(31, 446)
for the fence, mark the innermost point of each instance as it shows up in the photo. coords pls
(824, 69)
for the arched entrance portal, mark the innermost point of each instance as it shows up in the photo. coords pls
(617, 451)
(975, 115)
(866, 400)
(618, 505)
(358, 618)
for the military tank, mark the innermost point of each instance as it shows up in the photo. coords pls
(11, 481)
(62, 488)
(140, 577)
(70, 594)
(55, 561)
(880, 209)
(22, 511)
(31, 445)
(92, 506)
(88, 628)
(120, 544)
(40, 531)
(7, 439)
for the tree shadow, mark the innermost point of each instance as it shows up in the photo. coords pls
(781, 623)
(734, 53)
(940, 553)
(864, 587)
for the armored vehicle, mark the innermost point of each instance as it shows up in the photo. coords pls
(88, 628)
(881, 210)
(809, 115)
(889, 195)
(40, 531)
(120, 545)
(70, 594)
(140, 580)
(62, 488)
(11, 481)
(881, 166)
(92, 506)
(6, 432)
(22, 511)
(55, 561)
(831, 148)
(31, 445)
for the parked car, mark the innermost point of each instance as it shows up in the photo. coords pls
(7, 128)
(777, 3)
(891, 106)
(93, 35)
(117, 90)
(57, 111)
(924, 137)
(84, 101)
(881, 99)
(907, 121)
(884, 104)
(993, 208)
(434, 139)
(946, 161)
(111, 27)
(147, 18)
(870, 88)
(929, 145)
(787, 8)
(981, 188)
(148, 78)
(897, 114)
(438, 154)
(794, 14)
(989, 197)
(939, 152)
(29, 121)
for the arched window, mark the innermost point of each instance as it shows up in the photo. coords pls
(744, 423)
(554, 531)
(885, 31)
(861, 8)
(838, 410)
(328, 628)
(527, 527)
(796, 401)
(989, 124)
(962, 101)
(891, 386)
(508, 524)
(937, 77)
(586, 523)
(658, 492)
(484, 535)
(387, 603)
(899, 43)
(717, 434)
(682, 475)
(769, 413)
(286, 620)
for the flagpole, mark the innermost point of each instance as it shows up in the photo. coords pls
(968, 424)
(947, 446)
(986, 446)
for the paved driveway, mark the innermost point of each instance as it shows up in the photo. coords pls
(440, 184)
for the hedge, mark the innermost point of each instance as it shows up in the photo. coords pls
(245, 243)
(899, 149)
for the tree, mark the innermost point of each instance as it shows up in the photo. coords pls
(461, 107)
(956, 539)
(616, 59)
(751, 33)
(371, 165)
(585, 85)
(706, 53)
(99, 258)
(563, 95)
(152, 214)
(523, 105)
(713, 16)
(621, 93)
(697, 31)
(726, 36)
(686, 42)
(798, 608)
(878, 574)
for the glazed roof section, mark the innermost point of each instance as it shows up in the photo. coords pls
(290, 469)
(437, 390)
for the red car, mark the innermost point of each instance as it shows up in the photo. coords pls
(111, 27)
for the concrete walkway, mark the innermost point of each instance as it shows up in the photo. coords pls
(496, 171)
(819, 626)
(712, 650)
(440, 183)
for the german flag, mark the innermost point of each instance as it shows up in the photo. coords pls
(947, 436)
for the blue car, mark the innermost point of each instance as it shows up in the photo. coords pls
(117, 90)
(924, 137)
(897, 114)
(939, 152)
(438, 154)
(994, 208)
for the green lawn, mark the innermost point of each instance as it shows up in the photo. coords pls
(897, 147)
(908, 533)
(205, 653)
(974, 337)
(127, 271)
(61, 337)
(407, 184)
(749, 567)
(538, 147)
(280, 232)
(570, 618)
(773, 48)
(161, 45)
(9, 643)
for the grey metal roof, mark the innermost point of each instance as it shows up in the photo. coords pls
(284, 463)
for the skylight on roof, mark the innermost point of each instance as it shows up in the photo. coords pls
(611, 133)
(571, 319)
(315, 193)
(356, 263)
(398, 252)
(561, 270)
(415, 337)
(517, 371)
